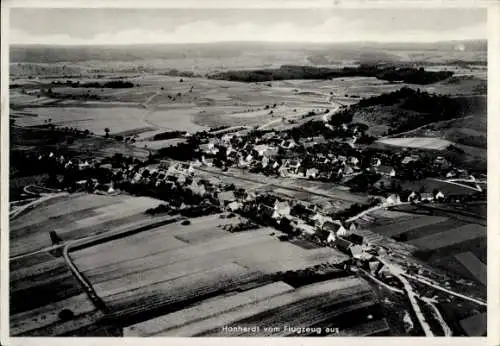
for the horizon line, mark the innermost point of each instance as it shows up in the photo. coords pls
(244, 42)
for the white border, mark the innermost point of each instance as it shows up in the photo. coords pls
(493, 168)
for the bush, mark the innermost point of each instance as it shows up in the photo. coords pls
(66, 314)
(185, 222)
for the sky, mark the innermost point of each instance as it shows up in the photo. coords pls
(100, 26)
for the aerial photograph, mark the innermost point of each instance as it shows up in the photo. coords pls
(264, 172)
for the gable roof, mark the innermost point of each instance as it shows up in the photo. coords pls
(384, 169)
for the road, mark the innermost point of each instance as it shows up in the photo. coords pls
(429, 283)
(14, 213)
(398, 272)
(456, 182)
(377, 207)
(446, 329)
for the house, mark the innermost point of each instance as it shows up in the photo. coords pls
(288, 144)
(209, 148)
(207, 162)
(393, 199)
(439, 196)
(111, 188)
(266, 210)
(318, 140)
(234, 206)
(427, 196)
(322, 235)
(353, 227)
(281, 209)
(261, 149)
(226, 196)
(312, 173)
(336, 227)
(451, 174)
(347, 170)
(290, 167)
(375, 162)
(343, 245)
(84, 165)
(353, 160)
(412, 158)
(386, 170)
(268, 136)
(413, 196)
(265, 161)
(356, 251)
(355, 238)
(441, 161)
(320, 219)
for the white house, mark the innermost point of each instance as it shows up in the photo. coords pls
(234, 206)
(393, 199)
(312, 173)
(281, 209)
(439, 196)
(412, 197)
(265, 161)
(331, 238)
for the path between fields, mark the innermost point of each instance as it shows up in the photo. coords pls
(419, 128)
(454, 182)
(377, 207)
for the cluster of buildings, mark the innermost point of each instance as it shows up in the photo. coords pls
(275, 153)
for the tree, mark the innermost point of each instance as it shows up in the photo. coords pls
(107, 132)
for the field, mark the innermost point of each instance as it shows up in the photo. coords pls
(275, 305)
(175, 263)
(73, 217)
(445, 240)
(418, 142)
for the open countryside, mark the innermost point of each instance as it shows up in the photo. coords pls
(206, 190)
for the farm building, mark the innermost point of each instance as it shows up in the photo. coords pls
(343, 245)
(355, 238)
